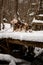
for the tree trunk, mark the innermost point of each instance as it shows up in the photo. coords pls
(0, 12)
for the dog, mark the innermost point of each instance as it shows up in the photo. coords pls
(19, 26)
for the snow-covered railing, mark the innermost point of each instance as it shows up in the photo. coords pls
(37, 21)
(41, 15)
(27, 36)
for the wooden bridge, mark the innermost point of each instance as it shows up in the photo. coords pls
(4, 43)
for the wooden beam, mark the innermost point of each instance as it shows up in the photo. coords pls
(28, 43)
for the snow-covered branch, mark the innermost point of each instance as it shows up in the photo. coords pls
(12, 60)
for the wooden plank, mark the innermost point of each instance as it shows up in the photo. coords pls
(28, 43)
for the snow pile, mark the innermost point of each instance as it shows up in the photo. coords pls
(7, 58)
(7, 28)
(27, 36)
(40, 15)
(38, 51)
(12, 60)
(37, 21)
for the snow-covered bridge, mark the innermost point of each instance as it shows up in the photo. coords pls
(33, 38)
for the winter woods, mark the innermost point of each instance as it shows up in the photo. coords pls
(17, 8)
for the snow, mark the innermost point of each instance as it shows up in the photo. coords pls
(7, 27)
(40, 15)
(7, 58)
(12, 60)
(4, 19)
(37, 21)
(31, 13)
(27, 36)
(38, 51)
(33, 3)
(33, 36)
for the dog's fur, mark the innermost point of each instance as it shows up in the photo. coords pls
(17, 25)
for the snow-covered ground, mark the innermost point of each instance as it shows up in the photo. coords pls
(7, 27)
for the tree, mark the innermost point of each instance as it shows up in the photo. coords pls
(1, 11)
